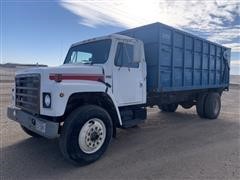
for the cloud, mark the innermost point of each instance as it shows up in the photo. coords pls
(234, 46)
(225, 34)
(235, 67)
(236, 62)
(214, 19)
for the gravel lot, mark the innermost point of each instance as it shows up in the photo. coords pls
(167, 146)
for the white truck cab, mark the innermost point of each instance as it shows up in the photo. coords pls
(100, 86)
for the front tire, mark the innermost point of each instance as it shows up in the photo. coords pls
(86, 134)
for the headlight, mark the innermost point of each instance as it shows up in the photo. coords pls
(46, 100)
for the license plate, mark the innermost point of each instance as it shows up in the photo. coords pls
(40, 126)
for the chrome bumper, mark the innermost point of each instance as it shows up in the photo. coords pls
(40, 126)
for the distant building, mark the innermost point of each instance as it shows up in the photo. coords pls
(18, 66)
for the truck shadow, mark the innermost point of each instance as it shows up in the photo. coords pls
(38, 157)
(182, 117)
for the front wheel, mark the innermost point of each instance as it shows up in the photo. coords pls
(86, 134)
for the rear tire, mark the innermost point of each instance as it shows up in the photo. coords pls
(200, 105)
(187, 105)
(212, 105)
(30, 133)
(86, 134)
(168, 107)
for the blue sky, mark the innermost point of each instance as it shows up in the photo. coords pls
(42, 31)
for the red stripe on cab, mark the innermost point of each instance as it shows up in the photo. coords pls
(87, 77)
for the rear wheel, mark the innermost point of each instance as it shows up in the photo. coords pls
(86, 134)
(212, 105)
(168, 107)
(30, 133)
(200, 105)
(187, 105)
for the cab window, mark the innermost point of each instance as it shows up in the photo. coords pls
(124, 56)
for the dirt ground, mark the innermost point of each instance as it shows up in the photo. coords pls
(167, 146)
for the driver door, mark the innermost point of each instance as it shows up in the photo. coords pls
(127, 76)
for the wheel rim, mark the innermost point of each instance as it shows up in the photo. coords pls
(92, 135)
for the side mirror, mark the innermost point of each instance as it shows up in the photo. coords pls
(137, 53)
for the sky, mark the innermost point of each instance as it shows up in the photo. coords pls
(42, 31)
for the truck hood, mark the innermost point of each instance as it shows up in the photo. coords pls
(83, 69)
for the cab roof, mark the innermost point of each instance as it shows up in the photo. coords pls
(111, 36)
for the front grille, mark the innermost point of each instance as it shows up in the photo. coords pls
(28, 92)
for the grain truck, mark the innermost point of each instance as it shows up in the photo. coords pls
(109, 82)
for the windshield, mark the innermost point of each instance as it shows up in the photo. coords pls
(89, 53)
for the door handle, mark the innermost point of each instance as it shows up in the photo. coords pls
(140, 84)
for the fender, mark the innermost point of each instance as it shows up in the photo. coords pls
(111, 96)
(67, 88)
